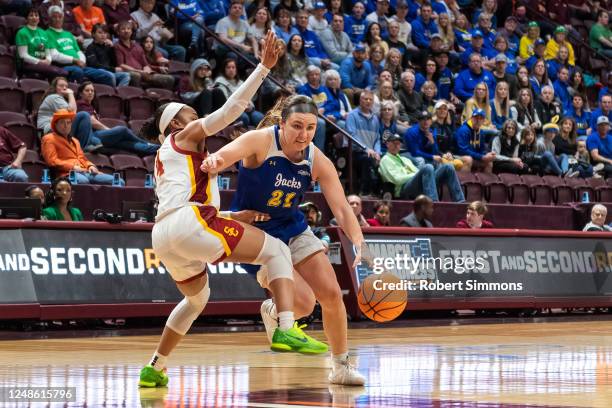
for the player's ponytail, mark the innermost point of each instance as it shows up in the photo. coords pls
(273, 117)
(150, 129)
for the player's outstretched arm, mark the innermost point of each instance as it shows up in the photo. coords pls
(237, 103)
(326, 174)
(251, 143)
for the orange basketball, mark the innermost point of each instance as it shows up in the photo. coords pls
(380, 299)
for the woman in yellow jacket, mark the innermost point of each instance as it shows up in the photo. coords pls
(559, 39)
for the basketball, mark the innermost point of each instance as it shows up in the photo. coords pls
(379, 300)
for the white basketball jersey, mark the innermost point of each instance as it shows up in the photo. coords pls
(179, 180)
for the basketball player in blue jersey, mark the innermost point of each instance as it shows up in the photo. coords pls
(279, 164)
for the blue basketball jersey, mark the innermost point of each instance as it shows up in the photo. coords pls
(277, 188)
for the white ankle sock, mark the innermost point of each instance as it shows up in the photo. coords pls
(285, 320)
(158, 361)
(340, 358)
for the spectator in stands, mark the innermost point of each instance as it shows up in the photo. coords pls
(421, 143)
(363, 125)
(393, 41)
(410, 100)
(337, 105)
(405, 28)
(312, 46)
(565, 141)
(560, 60)
(283, 72)
(356, 75)
(470, 142)
(60, 96)
(149, 23)
(382, 214)
(522, 78)
(600, 145)
(199, 91)
(506, 149)
(115, 12)
(58, 202)
(582, 161)
(421, 215)
(462, 35)
(35, 49)
(530, 152)
(317, 21)
(428, 94)
(63, 153)
(259, 25)
(599, 213)
(70, 23)
(480, 100)
(388, 121)
(600, 37)
(445, 30)
(580, 115)
(34, 191)
(423, 27)
(524, 112)
(501, 73)
(510, 32)
(131, 58)
(546, 107)
(393, 64)
(101, 60)
(373, 39)
(484, 26)
(318, 93)
(229, 82)
(527, 44)
(355, 203)
(466, 81)
(235, 31)
(558, 163)
(554, 44)
(88, 15)
(379, 16)
(488, 7)
(409, 181)
(474, 217)
(313, 216)
(215, 10)
(282, 25)
(118, 137)
(298, 60)
(155, 59)
(500, 105)
(355, 24)
(188, 11)
(12, 153)
(539, 77)
(336, 42)
(65, 50)
(443, 129)
(562, 87)
(377, 59)
(605, 109)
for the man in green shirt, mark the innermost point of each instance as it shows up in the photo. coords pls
(601, 36)
(65, 51)
(411, 182)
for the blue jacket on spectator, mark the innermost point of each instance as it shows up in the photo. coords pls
(312, 45)
(462, 38)
(189, 7)
(355, 28)
(604, 91)
(513, 45)
(553, 66)
(604, 147)
(596, 114)
(583, 122)
(422, 32)
(414, 8)
(469, 143)
(318, 95)
(416, 141)
(465, 55)
(364, 128)
(214, 10)
(497, 119)
(466, 81)
(284, 35)
(562, 93)
(353, 77)
(370, 5)
(335, 102)
(445, 84)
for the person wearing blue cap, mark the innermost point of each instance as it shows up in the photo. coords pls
(469, 142)
(466, 80)
(538, 53)
(317, 21)
(476, 47)
(488, 33)
(423, 27)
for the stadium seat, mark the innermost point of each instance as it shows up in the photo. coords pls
(580, 186)
(102, 89)
(12, 99)
(34, 166)
(112, 122)
(149, 162)
(35, 89)
(495, 190)
(136, 125)
(562, 193)
(139, 107)
(7, 66)
(24, 131)
(132, 167)
(603, 192)
(129, 91)
(160, 95)
(110, 106)
(101, 161)
(472, 188)
(178, 67)
(11, 24)
(6, 116)
(8, 81)
(28, 84)
(518, 191)
(540, 192)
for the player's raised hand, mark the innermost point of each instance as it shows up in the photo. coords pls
(211, 163)
(269, 56)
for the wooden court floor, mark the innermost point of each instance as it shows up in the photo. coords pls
(493, 365)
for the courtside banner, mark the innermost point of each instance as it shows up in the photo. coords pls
(76, 266)
(464, 267)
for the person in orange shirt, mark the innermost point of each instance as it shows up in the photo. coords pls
(87, 15)
(63, 153)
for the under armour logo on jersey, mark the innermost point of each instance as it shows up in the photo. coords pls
(303, 173)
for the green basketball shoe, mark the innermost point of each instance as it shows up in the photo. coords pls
(150, 377)
(296, 340)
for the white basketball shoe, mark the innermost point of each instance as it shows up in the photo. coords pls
(345, 373)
